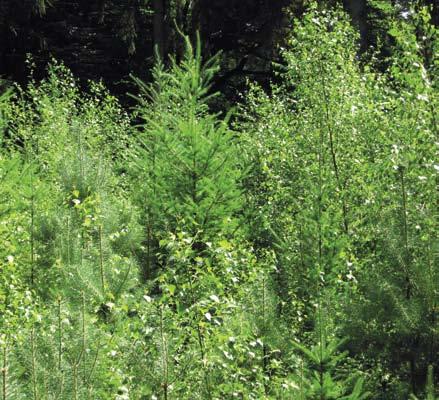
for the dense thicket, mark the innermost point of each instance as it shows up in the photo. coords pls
(110, 39)
(284, 250)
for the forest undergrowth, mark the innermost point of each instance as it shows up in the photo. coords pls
(286, 249)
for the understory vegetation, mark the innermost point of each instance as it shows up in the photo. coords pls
(286, 249)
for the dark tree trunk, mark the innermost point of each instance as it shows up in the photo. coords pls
(358, 12)
(159, 27)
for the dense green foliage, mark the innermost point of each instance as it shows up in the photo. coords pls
(284, 250)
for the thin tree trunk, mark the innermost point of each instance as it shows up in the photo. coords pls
(5, 370)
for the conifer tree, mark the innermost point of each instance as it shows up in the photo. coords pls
(187, 160)
(321, 379)
(76, 231)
